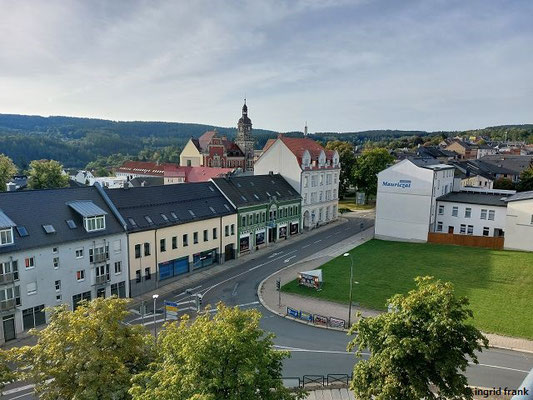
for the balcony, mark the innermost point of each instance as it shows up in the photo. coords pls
(7, 278)
(101, 280)
(7, 305)
(100, 258)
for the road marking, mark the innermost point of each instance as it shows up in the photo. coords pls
(319, 240)
(288, 259)
(234, 293)
(307, 245)
(253, 303)
(275, 254)
(134, 311)
(498, 367)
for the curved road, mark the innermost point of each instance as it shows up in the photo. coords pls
(315, 350)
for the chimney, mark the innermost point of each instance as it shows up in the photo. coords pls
(11, 186)
(271, 173)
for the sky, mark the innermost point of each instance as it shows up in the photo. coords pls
(339, 65)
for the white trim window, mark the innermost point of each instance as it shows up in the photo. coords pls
(468, 212)
(29, 262)
(455, 211)
(483, 213)
(441, 210)
(31, 288)
(439, 226)
(80, 275)
(6, 237)
(94, 223)
(491, 215)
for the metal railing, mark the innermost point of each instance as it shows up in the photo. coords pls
(100, 257)
(7, 305)
(316, 380)
(8, 277)
(101, 280)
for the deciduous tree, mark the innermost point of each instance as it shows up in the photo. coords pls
(7, 375)
(89, 353)
(526, 180)
(367, 167)
(46, 174)
(422, 344)
(7, 170)
(223, 357)
(347, 160)
(504, 183)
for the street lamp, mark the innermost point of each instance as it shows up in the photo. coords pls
(155, 296)
(351, 286)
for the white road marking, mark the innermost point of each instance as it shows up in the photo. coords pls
(275, 254)
(319, 240)
(253, 303)
(288, 259)
(498, 367)
(234, 293)
(307, 245)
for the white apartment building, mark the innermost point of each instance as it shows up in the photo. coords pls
(406, 199)
(311, 170)
(56, 246)
(519, 222)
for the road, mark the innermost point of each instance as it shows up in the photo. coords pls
(313, 350)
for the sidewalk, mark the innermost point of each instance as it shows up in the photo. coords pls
(268, 295)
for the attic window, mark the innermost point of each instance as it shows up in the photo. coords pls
(238, 184)
(289, 192)
(211, 188)
(22, 231)
(132, 222)
(227, 207)
(148, 219)
(94, 223)
(272, 182)
(193, 214)
(165, 218)
(256, 196)
(173, 215)
(71, 224)
(212, 210)
(268, 194)
(251, 183)
(244, 198)
(278, 193)
(6, 236)
(49, 229)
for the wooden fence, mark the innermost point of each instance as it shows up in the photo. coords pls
(466, 240)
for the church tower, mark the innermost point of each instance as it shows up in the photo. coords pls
(244, 138)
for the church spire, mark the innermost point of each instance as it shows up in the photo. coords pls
(244, 108)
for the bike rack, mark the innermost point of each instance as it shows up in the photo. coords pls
(337, 378)
(313, 379)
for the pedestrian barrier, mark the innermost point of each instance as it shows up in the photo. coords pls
(316, 380)
(337, 378)
(313, 379)
(316, 319)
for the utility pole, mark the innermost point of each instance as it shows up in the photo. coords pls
(351, 291)
(155, 296)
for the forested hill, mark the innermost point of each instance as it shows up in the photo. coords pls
(77, 141)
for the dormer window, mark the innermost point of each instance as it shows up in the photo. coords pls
(322, 159)
(306, 159)
(96, 223)
(6, 236)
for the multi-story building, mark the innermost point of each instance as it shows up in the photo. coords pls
(311, 170)
(268, 209)
(174, 230)
(519, 222)
(57, 246)
(406, 199)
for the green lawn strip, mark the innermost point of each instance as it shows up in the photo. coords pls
(497, 283)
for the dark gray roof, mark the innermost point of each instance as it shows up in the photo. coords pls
(488, 199)
(34, 208)
(86, 208)
(5, 221)
(515, 164)
(144, 181)
(521, 196)
(424, 161)
(245, 191)
(435, 152)
(186, 201)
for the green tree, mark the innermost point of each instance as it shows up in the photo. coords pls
(347, 160)
(367, 167)
(101, 172)
(7, 375)
(7, 170)
(46, 174)
(504, 183)
(89, 353)
(223, 357)
(425, 341)
(526, 180)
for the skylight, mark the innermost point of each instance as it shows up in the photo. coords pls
(49, 229)
(256, 196)
(211, 188)
(251, 183)
(173, 215)
(165, 218)
(148, 219)
(244, 198)
(227, 207)
(212, 210)
(132, 222)
(268, 194)
(190, 212)
(238, 184)
(278, 193)
(22, 231)
(71, 224)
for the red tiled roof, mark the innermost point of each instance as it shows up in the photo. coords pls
(203, 174)
(175, 171)
(205, 139)
(144, 168)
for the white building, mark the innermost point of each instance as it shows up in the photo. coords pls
(519, 222)
(406, 199)
(472, 212)
(311, 170)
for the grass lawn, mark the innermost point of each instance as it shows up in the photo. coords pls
(499, 284)
(350, 204)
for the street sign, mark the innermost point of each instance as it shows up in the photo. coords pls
(171, 308)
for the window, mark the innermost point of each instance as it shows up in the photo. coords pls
(214, 233)
(94, 223)
(138, 276)
(149, 220)
(99, 254)
(56, 262)
(31, 288)
(55, 250)
(8, 270)
(30, 262)
(58, 297)
(23, 232)
(147, 249)
(439, 226)
(80, 275)
(243, 221)
(226, 228)
(117, 246)
(58, 286)
(147, 274)
(6, 237)
(118, 267)
(195, 237)
(118, 289)
(486, 231)
(305, 198)
(137, 251)
(163, 245)
(79, 297)
(185, 240)
(233, 229)
(174, 242)
(32, 317)
(468, 212)
(455, 211)
(483, 213)
(491, 215)
(463, 229)
(206, 235)
(9, 294)
(470, 230)
(441, 210)
(79, 253)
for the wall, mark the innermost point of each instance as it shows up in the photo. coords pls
(448, 220)
(280, 160)
(190, 153)
(518, 226)
(45, 275)
(329, 205)
(466, 240)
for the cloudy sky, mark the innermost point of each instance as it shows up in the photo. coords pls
(340, 65)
